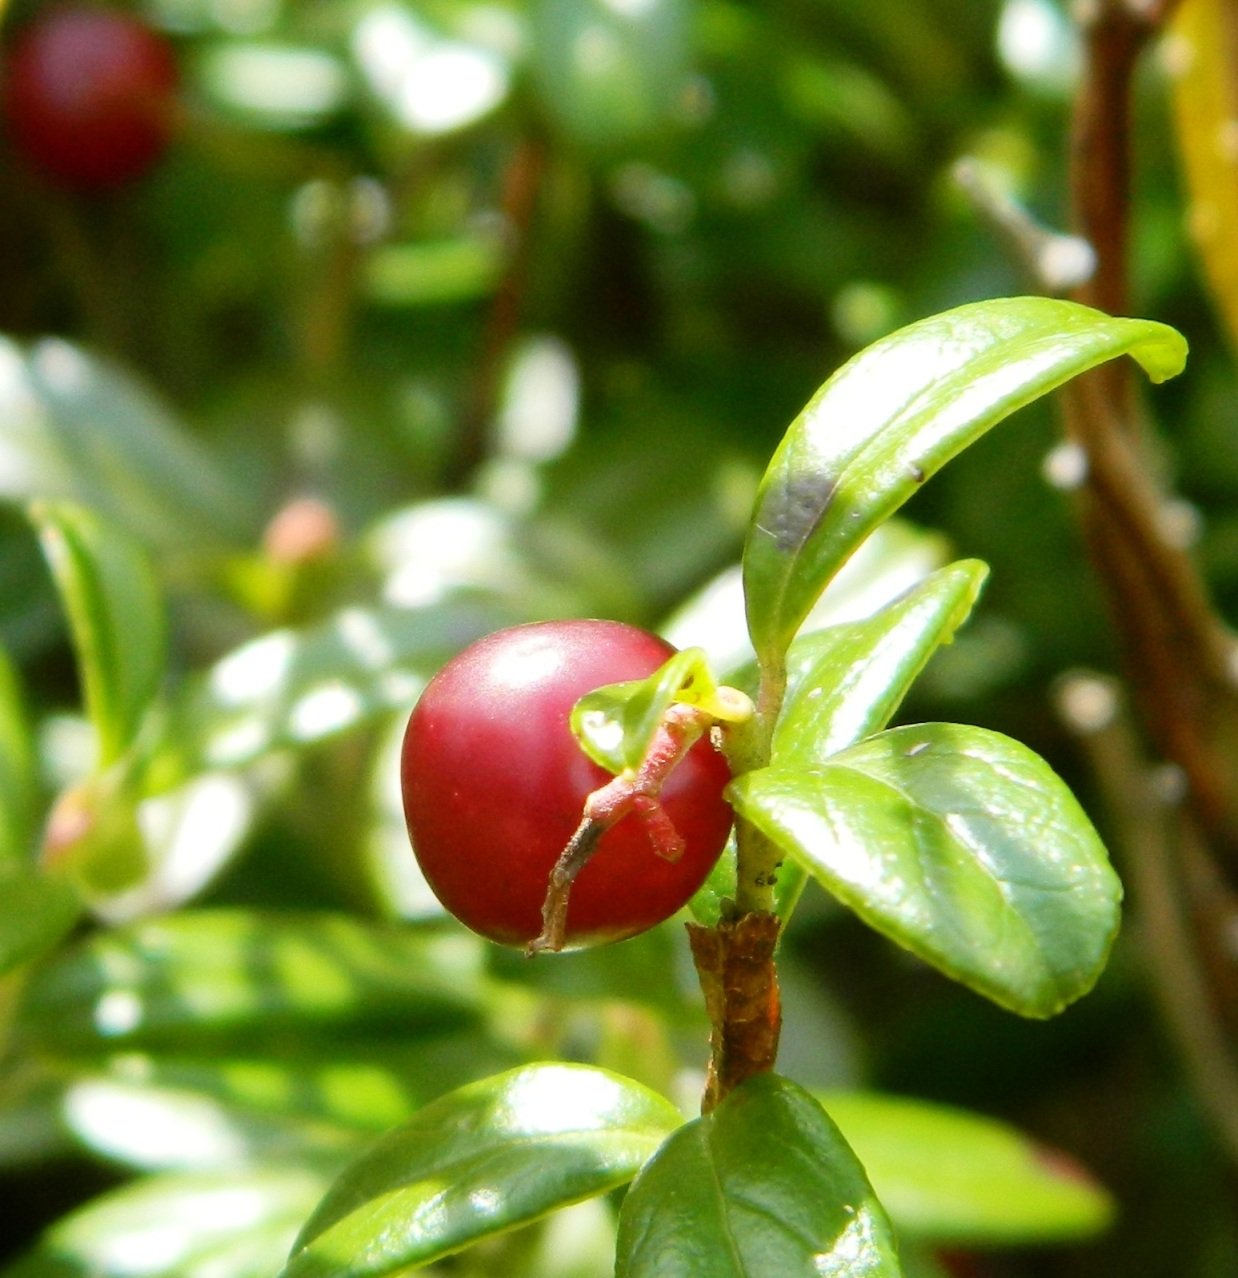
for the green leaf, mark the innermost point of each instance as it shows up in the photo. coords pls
(893, 416)
(115, 615)
(845, 682)
(37, 911)
(493, 1155)
(616, 724)
(17, 772)
(959, 844)
(75, 428)
(291, 688)
(764, 1185)
(237, 1223)
(214, 979)
(955, 1178)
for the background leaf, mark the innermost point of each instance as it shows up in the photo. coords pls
(115, 615)
(763, 1185)
(290, 688)
(893, 416)
(961, 845)
(956, 1178)
(72, 427)
(186, 1225)
(479, 1161)
(17, 775)
(223, 978)
(36, 911)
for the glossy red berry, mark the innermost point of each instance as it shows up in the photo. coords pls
(87, 96)
(494, 783)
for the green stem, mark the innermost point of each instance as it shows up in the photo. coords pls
(757, 859)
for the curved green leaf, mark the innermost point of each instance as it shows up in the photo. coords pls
(845, 682)
(893, 416)
(764, 1185)
(115, 615)
(956, 1178)
(493, 1155)
(17, 773)
(959, 844)
(36, 911)
(187, 1225)
(291, 688)
(226, 978)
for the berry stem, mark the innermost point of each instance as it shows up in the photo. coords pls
(631, 792)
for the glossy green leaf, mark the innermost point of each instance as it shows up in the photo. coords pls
(959, 844)
(763, 1185)
(291, 688)
(616, 724)
(36, 911)
(493, 1155)
(237, 1223)
(845, 682)
(115, 613)
(212, 979)
(956, 1178)
(611, 74)
(72, 427)
(893, 416)
(17, 772)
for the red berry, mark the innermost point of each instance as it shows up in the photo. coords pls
(494, 783)
(87, 94)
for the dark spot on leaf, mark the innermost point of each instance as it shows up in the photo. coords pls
(791, 512)
(917, 472)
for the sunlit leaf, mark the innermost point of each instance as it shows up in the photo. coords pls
(36, 911)
(17, 776)
(478, 1161)
(237, 1223)
(763, 1185)
(115, 616)
(961, 845)
(72, 427)
(426, 274)
(228, 978)
(893, 416)
(952, 1177)
(291, 688)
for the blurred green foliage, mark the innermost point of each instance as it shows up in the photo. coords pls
(442, 314)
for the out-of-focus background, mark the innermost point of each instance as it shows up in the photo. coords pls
(434, 315)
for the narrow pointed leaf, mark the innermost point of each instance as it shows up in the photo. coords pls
(844, 682)
(959, 844)
(493, 1155)
(893, 416)
(764, 1185)
(955, 1178)
(115, 614)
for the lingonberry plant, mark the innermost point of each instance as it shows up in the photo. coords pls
(87, 96)
(955, 842)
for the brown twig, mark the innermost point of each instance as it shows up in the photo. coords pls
(1177, 652)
